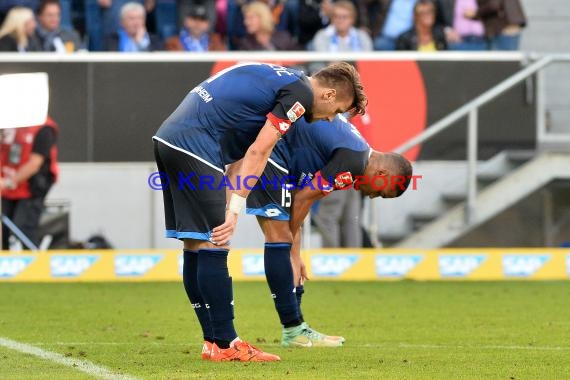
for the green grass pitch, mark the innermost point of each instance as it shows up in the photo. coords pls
(397, 330)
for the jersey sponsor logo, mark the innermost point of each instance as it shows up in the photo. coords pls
(459, 265)
(272, 212)
(396, 266)
(203, 94)
(342, 180)
(253, 265)
(13, 266)
(295, 112)
(135, 265)
(71, 265)
(523, 265)
(332, 265)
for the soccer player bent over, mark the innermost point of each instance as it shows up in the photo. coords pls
(238, 113)
(317, 159)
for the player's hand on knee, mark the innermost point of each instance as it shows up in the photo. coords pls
(222, 234)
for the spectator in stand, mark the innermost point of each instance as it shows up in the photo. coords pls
(51, 36)
(195, 35)
(217, 12)
(397, 17)
(283, 13)
(341, 35)
(184, 7)
(503, 21)
(464, 33)
(426, 35)
(132, 35)
(17, 33)
(102, 19)
(261, 33)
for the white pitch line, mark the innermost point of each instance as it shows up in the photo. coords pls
(114, 344)
(379, 345)
(472, 347)
(78, 364)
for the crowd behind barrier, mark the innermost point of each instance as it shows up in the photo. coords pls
(260, 25)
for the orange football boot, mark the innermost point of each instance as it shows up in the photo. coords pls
(243, 352)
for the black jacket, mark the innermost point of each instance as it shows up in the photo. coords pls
(9, 44)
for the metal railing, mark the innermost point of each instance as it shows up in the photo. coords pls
(471, 111)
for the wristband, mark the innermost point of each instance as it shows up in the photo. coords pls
(237, 203)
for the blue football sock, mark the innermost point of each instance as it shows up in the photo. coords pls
(299, 290)
(279, 274)
(215, 285)
(190, 279)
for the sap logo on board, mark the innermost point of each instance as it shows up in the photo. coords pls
(396, 266)
(253, 265)
(71, 265)
(135, 265)
(523, 265)
(332, 265)
(459, 265)
(12, 266)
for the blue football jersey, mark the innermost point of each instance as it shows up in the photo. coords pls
(221, 117)
(327, 147)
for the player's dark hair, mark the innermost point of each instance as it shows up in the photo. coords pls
(400, 167)
(344, 78)
(45, 3)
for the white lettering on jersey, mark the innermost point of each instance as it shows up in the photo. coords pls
(202, 93)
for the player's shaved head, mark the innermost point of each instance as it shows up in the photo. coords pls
(398, 166)
(344, 78)
(391, 166)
